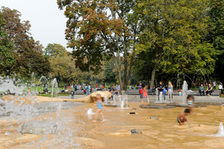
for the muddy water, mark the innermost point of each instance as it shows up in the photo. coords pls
(161, 131)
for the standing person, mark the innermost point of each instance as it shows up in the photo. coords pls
(99, 103)
(220, 88)
(141, 93)
(145, 94)
(89, 89)
(170, 91)
(160, 90)
(214, 85)
(118, 88)
(73, 94)
(164, 93)
(139, 86)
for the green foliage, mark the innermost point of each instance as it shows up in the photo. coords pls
(110, 75)
(101, 28)
(172, 31)
(53, 50)
(26, 52)
(7, 60)
(216, 36)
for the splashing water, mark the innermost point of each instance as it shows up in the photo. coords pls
(184, 91)
(123, 101)
(221, 131)
(8, 85)
(43, 81)
(90, 111)
(24, 107)
(54, 88)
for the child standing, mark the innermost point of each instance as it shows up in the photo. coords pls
(164, 93)
(145, 94)
(141, 92)
(99, 104)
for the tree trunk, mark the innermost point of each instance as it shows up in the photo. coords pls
(119, 70)
(153, 77)
(125, 66)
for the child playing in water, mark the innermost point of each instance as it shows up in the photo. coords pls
(190, 100)
(99, 106)
(181, 119)
(145, 94)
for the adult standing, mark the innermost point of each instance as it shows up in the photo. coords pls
(214, 85)
(160, 90)
(221, 88)
(170, 91)
(118, 88)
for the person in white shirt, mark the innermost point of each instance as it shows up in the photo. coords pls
(220, 86)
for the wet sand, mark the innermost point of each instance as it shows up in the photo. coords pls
(81, 129)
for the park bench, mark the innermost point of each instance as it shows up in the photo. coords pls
(79, 92)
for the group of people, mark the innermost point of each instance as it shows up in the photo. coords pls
(210, 88)
(85, 88)
(162, 91)
(181, 118)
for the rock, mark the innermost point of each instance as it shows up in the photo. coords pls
(134, 131)
(154, 117)
(132, 113)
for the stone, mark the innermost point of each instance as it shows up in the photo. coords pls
(134, 131)
(154, 117)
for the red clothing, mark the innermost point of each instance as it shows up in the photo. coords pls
(141, 91)
(145, 93)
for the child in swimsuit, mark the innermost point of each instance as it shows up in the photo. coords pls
(190, 100)
(99, 104)
(145, 94)
(181, 119)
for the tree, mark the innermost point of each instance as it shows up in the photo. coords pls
(109, 72)
(63, 68)
(7, 60)
(173, 32)
(26, 50)
(101, 28)
(216, 36)
(54, 50)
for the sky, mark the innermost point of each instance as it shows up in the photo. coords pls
(47, 21)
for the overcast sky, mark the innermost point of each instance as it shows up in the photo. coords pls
(47, 21)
